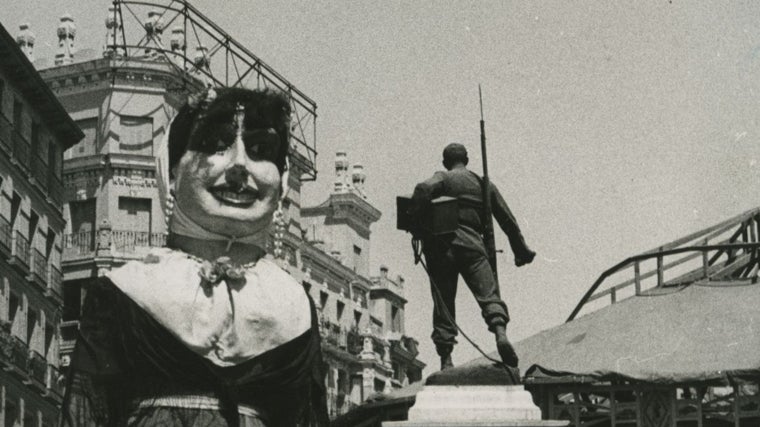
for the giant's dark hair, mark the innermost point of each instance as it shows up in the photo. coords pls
(202, 117)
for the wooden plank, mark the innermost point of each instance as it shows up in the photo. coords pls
(637, 277)
(659, 271)
(711, 232)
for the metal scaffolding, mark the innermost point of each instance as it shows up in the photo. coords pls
(199, 49)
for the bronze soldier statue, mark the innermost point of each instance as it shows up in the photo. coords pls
(464, 252)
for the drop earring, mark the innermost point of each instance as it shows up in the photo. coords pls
(279, 231)
(169, 210)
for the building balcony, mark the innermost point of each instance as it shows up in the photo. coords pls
(125, 243)
(54, 383)
(54, 283)
(333, 334)
(6, 239)
(6, 130)
(19, 358)
(80, 244)
(38, 268)
(37, 368)
(20, 251)
(6, 344)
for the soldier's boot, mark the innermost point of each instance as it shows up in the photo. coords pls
(444, 351)
(506, 350)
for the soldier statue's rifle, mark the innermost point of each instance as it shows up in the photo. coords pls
(488, 234)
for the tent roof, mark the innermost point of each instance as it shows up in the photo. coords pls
(702, 332)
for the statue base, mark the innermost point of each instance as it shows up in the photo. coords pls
(474, 406)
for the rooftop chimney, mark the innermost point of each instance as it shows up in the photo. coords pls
(341, 163)
(154, 28)
(357, 177)
(25, 41)
(200, 59)
(114, 39)
(66, 33)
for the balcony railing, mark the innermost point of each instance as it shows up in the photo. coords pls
(19, 355)
(21, 248)
(82, 243)
(21, 149)
(55, 281)
(6, 239)
(333, 334)
(6, 344)
(127, 241)
(39, 266)
(54, 382)
(37, 366)
(6, 130)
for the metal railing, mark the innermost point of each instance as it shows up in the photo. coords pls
(39, 266)
(127, 241)
(21, 248)
(6, 237)
(55, 381)
(333, 334)
(6, 130)
(55, 280)
(19, 354)
(81, 243)
(729, 250)
(6, 343)
(37, 368)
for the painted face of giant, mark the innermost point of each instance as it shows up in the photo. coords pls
(229, 179)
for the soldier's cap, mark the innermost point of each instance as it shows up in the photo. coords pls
(455, 152)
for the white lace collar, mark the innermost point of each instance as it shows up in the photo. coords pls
(225, 324)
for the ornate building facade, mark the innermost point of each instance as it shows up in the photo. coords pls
(34, 132)
(123, 105)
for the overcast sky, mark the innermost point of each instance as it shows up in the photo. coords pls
(613, 127)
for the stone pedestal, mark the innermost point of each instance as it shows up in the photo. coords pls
(474, 406)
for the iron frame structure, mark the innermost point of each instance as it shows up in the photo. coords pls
(220, 61)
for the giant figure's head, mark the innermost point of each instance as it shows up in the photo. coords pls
(227, 156)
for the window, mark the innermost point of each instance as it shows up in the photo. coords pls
(55, 159)
(322, 300)
(49, 337)
(136, 135)
(49, 243)
(357, 318)
(34, 219)
(395, 319)
(357, 250)
(31, 328)
(15, 208)
(341, 306)
(14, 307)
(134, 214)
